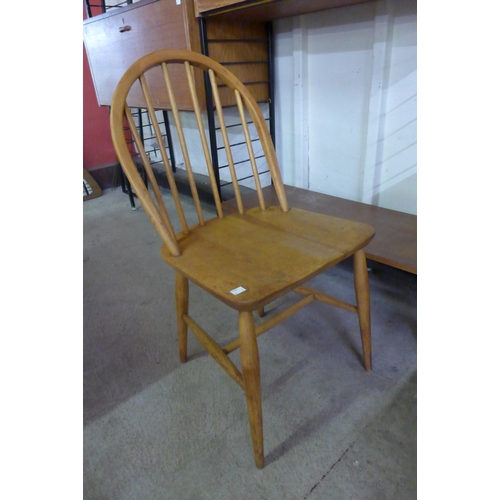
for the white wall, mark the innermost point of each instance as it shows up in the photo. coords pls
(346, 102)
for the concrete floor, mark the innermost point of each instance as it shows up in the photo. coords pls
(158, 429)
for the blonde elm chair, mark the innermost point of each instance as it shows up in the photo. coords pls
(246, 259)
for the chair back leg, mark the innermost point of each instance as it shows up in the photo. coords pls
(362, 290)
(182, 301)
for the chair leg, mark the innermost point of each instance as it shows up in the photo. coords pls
(251, 374)
(182, 301)
(362, 289)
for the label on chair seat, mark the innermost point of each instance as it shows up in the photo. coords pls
(238, 290)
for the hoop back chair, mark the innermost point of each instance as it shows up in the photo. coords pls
(246, 259)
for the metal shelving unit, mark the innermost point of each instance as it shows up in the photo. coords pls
(144, 127)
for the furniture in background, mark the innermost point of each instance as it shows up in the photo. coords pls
(395, 243)
(239, 39)
(246, 259)
(119, 36)
(90, 187)
(236, 33)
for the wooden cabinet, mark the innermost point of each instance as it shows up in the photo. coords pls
(115, 40)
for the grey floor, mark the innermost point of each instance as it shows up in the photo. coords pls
(158, 429)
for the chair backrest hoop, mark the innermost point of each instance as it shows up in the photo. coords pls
(216, 70)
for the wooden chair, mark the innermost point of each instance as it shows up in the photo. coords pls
(247, 259)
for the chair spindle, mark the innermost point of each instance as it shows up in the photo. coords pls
(225, 138)
(203, 137)
(182, 140)
(250, 149)
(149, 171)
(166, 162)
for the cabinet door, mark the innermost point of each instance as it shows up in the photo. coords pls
(114, 42)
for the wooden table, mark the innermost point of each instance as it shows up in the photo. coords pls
(395, 241)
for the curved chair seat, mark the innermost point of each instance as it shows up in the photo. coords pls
(265, 252)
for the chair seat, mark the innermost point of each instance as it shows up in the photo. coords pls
(266, 252)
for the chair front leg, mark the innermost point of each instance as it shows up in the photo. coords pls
(251, 374)
(362, 289)
(182, 302)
